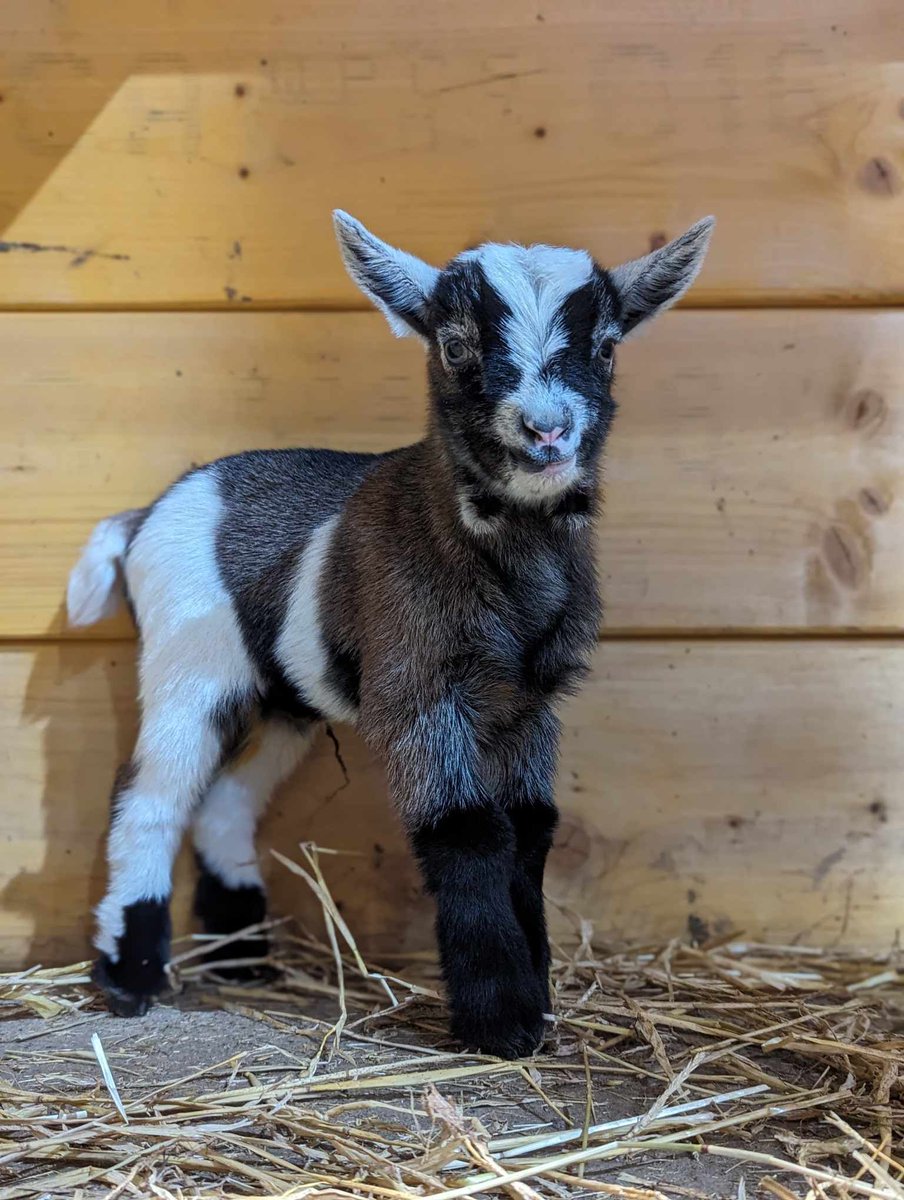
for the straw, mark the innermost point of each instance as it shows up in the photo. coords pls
(781, 1061)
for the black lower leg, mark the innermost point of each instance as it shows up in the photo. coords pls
(138, 972)
(224, 910)
(534, 826)
(468, 861)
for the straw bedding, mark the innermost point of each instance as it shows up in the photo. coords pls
(726, 1069)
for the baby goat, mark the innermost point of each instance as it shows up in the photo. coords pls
(442, 597)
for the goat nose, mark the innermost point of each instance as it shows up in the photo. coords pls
(541, 435)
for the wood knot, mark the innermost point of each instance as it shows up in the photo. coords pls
(572, 846)
(874, 501)
(657, 240)
(866, 410)
(880, 177)
(845, 555)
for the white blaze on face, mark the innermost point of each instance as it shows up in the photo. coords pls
(534, 282)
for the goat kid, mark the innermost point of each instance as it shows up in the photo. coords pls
(441, 597)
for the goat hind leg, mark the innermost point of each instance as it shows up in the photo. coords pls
(230, 891)
(177, 752)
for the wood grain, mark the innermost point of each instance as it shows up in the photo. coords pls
(752, 477)
(707, 787)
(188, 152)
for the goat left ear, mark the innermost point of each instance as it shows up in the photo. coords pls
(398, 283)
(648, 285)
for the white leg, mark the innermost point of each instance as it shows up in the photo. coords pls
(227, 819)
(198, 689)
(177, 753)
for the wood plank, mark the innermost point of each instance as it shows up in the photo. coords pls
(188, 152)
(711, 786)
(751, 481)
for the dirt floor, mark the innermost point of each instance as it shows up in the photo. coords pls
(175, 1041)
(685, 1071)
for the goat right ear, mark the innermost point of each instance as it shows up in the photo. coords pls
(398, 283)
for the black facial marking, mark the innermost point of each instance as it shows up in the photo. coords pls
(466, 400)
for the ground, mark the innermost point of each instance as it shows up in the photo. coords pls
(779, 1068)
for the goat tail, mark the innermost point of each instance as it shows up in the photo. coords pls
(96, 585)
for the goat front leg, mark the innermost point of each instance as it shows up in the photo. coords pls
(522, 767)
(466, 846)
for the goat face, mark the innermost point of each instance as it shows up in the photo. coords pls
(521, 343)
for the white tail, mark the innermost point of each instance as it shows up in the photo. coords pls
(95, 586)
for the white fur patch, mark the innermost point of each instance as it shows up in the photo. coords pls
(534, 281)
(225, 825)
(300, 648)
(192, 659)
(535, 488)
(481, 526)
(94, 590)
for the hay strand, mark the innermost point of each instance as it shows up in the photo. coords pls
(785, 1062)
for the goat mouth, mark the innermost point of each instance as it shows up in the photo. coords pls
(553, 469)
(548, 468)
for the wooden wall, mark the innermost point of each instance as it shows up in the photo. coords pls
(170, 291)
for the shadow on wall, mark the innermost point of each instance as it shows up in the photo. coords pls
(78, 724)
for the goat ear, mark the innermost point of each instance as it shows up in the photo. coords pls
(398, 283)
(648, 285)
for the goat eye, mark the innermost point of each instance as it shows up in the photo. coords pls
(455, 352)
(606, 350)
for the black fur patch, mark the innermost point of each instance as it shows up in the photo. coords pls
(535, 825)
(576, 503)
(281, 699)
(224, 910)
(486, 505)
(343, 673)
(231, 720)
(468, 861)
(138, 975)
(273, 501)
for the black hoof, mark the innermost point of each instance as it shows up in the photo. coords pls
(223, 910)
(509, 1026)
(122, 1000)
(514, 1041)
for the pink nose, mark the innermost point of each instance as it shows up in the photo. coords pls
(544, 437)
